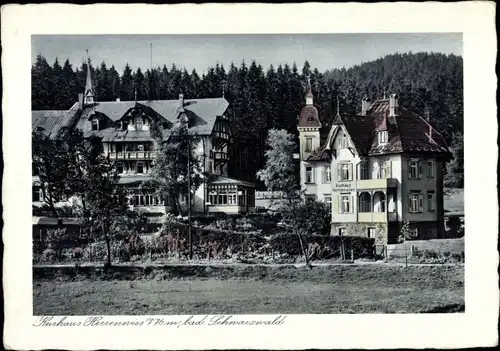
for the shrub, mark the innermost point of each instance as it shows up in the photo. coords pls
(49, 255)
(430, 254)
(135, 245)
(327, 246)
(417, 253)
(311, 216)
(455, 229)
(77, 253)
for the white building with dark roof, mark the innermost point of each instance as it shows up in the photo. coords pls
(378, 169)
(124, 129)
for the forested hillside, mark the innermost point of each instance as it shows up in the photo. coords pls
(265, 98)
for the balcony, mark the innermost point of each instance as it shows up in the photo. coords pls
(372, 217)
(132, 155)
(220, 156)
(366, 184)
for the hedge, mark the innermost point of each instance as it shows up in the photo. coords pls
(289, 243)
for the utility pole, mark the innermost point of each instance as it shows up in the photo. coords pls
(190, 238)
(151, 57)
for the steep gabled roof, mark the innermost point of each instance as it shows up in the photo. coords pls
(51, 122)
(202, 114)
(407, 131)
(319, 154)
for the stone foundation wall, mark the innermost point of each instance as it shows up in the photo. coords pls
(387, 233)
(426, 230)
(361, 230)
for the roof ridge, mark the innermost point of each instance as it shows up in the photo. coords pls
(426, 122)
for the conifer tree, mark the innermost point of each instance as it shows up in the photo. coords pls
(104, 89)
(139, 85)
(114, 78)
(127, 85)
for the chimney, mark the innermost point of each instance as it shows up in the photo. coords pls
(393, 105)
(117, 99)
(365, 106)
(427, 114)
(80, 101)
(181, 101)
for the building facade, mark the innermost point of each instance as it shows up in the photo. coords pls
(124, 130)
(378, 170)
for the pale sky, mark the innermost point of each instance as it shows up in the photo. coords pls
(323, 51)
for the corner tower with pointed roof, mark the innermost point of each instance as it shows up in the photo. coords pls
(89, 95)
(309, 126)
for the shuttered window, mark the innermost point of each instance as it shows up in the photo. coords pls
(344, 172)
(328, 200)
(415, 202)
(345, 203)
(327, 174)
(414, 169)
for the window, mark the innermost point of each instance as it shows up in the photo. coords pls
(139, 200)
(222, 199)
(341, 231)
(415, 202)
(414, 232)
(183, 198)
(309, 142)
(140, 167)
(212, 198)
(430, 169)
(119, 167)
(385, 170)
(382, 137)
(344, 172)
(309, 174)
(119, 147)
(138, 123)
(327, 175)
(414, 169)
(431, 201)
(95, 124)
(365, 202)
(363, 170)
(36, 194)
(328, 199)
(345, 203)
(241, 199)
(343, 142)
(231, 199)
(371, 232)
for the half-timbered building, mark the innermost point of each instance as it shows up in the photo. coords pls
(124, 129)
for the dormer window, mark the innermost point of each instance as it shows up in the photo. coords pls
(382, 137)
(95, 124)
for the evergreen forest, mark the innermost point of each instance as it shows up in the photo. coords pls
(262, 98)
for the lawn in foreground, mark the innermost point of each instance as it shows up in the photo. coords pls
(397, 291)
